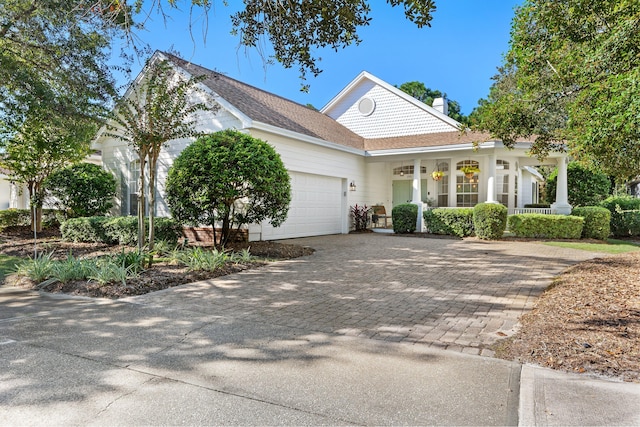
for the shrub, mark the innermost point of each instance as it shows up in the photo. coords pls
(585, 187)
(625, 215)
(89, 229)
(404, 218)
(597, 221)
(81, 190)
(454, 222)
(546, 226)
(537, 206)
(360, 215)
(14, 217)
(489, 220)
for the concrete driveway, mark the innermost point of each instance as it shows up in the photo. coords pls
(351, 335)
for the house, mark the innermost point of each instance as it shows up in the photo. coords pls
(371, 144)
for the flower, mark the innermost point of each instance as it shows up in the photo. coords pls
(469, 169)
(437, 175)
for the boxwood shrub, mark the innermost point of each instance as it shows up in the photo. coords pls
(122, 230)
(489, 220)
(546, 226)
(625, 215)
(404, 218)
(454, 222)
(14, 217)
(597, 221)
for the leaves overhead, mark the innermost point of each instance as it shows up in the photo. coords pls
(426, 95)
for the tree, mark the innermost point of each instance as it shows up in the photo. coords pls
(43, 144)
(585, 187)
(81, 190)
(423, 94)
(155, 111)
(230, 178)
(571, 76)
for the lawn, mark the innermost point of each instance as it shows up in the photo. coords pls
(7, 265)
(612, 246)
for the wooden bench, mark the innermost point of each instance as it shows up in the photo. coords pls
(379, 212)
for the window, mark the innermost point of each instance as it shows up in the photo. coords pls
(466, 191)
(502, 165)
(466, 163)
(443, 184)
(134, 176)
(407, 170)
(502, 189)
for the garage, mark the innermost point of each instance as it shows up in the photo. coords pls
(315, 209)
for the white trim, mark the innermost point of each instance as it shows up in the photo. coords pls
(533, 171)
(306, 138)
(434, 149)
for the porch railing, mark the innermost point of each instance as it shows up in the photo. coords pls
(511, 211)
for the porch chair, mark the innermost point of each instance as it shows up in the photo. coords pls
(379, 212)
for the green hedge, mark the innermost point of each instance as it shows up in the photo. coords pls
(597, 221)
(546, 226)
(489, 220)
(537, 206)
(454, 222)
(22, 218)
(404, 218)
(122, 230)
(625, 215)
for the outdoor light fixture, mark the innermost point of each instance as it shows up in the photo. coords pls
(352, 186)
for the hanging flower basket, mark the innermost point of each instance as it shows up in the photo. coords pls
(469, 171)
(437, 175)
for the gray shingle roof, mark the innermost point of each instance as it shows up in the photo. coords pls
(271, 109)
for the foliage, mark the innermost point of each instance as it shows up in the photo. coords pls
(546, 226)
(89, 229)
(228, 177)
(152, 113)
(71, 269)
(105, 272)
(14, 217)
(37, 269)
(571, 75)
(81, 190)
(360, 215)
(426, 95)
(489, 220)
(597, 221)
(404, 218)
(537, 206)
(7, 265)
(454, 222)
(625, 215)
(201, 259)
(585, 187)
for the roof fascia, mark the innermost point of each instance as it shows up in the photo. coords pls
(434, 149)
(306, 138)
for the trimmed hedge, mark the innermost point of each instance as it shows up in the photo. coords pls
(546, 226)
(625, 215)
(122, 230)
(597, 221)
(454, 222)
(404, 218)
(14, 217)
(489, 220)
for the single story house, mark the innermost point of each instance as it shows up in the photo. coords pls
(371, 144)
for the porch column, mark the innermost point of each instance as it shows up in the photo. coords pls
(491, 180)
(417, 191)
(562, 206)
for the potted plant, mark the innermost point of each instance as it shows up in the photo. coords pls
(469, 171)
(437, 175)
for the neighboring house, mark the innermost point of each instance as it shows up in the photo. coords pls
(371, 144)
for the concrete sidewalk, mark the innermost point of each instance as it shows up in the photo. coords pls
(325, 340)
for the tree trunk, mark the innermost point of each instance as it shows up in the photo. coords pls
(141, 205)
(153, 160)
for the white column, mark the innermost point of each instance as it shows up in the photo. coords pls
(491, 180)
(417, 191)
(562, 206)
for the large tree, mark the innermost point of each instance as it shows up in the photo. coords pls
(572, 76)
(426, 95)
(159, 108)
(228, 178)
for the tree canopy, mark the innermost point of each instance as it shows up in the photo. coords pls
(572, 76)
(228, 178)
(426, 95)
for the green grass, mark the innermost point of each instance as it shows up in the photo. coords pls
(612, 246)
(7, 265)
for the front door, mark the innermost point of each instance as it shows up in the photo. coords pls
(403, 191)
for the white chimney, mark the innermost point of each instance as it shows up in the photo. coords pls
(441, 105)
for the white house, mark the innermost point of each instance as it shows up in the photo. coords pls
(371, 144)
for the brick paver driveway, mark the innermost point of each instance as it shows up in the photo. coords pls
(457, 294)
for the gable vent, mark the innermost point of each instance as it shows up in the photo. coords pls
(366, 106)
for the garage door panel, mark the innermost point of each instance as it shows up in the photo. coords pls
(315, 209)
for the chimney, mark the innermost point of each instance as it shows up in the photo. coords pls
(441, 105)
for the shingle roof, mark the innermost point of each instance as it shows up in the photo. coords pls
(426, 140)
(271, 109)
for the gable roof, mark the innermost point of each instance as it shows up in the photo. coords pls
(265, 107)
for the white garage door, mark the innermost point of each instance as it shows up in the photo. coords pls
(315, 209)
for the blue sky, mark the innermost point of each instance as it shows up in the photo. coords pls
(458, 54)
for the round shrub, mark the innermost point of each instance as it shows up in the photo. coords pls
(625, 215)
(453, 222)
(597, 221)
(404, 218)
(489, 220)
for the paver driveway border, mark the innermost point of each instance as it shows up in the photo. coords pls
(461, 295)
